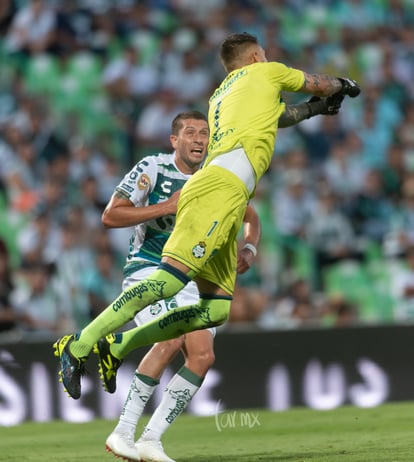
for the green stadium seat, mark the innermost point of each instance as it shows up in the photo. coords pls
(11, 222)
(353, 281)
(96, 117)
(80, 91)
(42, 74)
(86, 69)
(380, 272)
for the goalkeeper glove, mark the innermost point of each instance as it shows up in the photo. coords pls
(325, 106)
(349, 87)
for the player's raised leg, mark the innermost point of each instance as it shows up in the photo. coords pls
(73, 350)
(209, 312)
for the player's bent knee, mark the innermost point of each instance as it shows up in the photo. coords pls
(200, 362)
(169, 348)
(207, 359)
(200, 355)
(218, 310)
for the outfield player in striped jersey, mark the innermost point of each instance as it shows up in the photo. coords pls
(147, 198)
(244, 115)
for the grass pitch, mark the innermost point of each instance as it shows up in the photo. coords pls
(348, 434)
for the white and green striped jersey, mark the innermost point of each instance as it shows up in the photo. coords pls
(153, 180)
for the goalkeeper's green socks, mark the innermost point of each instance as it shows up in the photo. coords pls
(209, 312)
(164, 282)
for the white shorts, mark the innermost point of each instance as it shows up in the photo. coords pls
(187, 296)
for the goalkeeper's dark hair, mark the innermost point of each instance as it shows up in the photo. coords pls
(233, 47)
(177, 123)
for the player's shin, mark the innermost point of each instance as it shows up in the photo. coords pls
(178, 393)
(139, 393)
(209, 312)
(162, 283)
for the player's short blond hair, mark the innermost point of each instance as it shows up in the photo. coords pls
(233, 47)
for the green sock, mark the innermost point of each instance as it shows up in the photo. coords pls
(176, 396)
(209, 312)
(164, 282)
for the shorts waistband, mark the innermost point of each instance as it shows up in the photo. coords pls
(237, 162)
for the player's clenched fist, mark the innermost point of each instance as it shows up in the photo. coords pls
(349, 87)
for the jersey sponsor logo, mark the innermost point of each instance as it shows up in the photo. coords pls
(228, 82)
(199, 250)
(217, 136)
(143, 181)
(126, 187)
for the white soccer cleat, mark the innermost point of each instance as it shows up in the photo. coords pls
(151, 451)
(123, 446)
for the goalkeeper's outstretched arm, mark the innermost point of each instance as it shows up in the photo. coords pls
(295, 113)
(334, 90)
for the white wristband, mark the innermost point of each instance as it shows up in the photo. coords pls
(251, 247)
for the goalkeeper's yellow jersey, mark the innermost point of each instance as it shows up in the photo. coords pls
(244, 111)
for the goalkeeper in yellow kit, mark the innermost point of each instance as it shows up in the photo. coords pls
(244, 115)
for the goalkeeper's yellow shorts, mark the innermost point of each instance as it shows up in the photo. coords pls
(210, 213)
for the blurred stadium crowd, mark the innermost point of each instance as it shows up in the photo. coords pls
(88, 87)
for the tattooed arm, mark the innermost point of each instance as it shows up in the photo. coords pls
(326, 85)
(321, 84)
(295, 113)
(333, 88)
